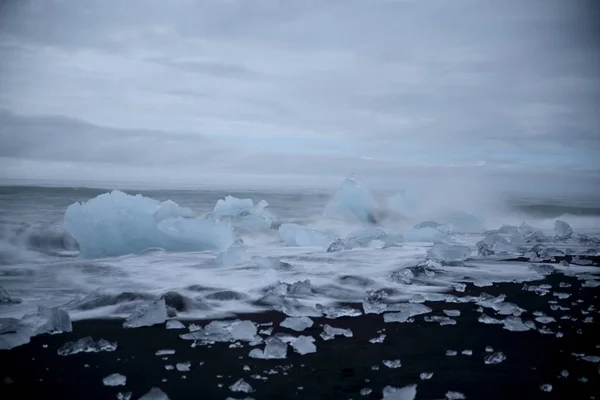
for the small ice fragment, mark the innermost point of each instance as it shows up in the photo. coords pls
(583, 379)
(564, 373)
(452, 313)
(114, 380)
(375, 367)
(148, 315)
(392, 363)
(124, 395)
(155, 394)
(297, 323)
(442, 320)
(451, 353)
(485, 319)
(165, 352)
(174, 324)
(275, 348)
(592, 359)
(467, 352)
(86, 345)
(374, 301)
(495, 358)
(241, 386)
(546, 387)
(334, 312)
(183, 367)
(562, 295)
(244, 330)
(489, 349)
(455, 396)
(330, 332)
(408, 392)
(169, 367)
(406, 311)
(545, 320)
(366, 391)
(515, 324)
(425, 376)
(378, 339)
(304, 345)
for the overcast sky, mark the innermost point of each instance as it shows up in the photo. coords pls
(199, 91)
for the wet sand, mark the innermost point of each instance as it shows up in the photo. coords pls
(341, 367)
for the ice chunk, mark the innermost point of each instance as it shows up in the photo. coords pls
(124, 395)
(304, 345)
(467, 352)
(425, 376)
(243, 214)
(451, 353)
(115, 223)
(378, 339)
(114, 380)
(352, 201)
(165, 352)
(515, 324)
(406, 311)
(15, 333)
(425, 234)
(337, 245)
(364, 237)
(244, 330)
(562, 229)
(542, 269)
(373, 303)
(455, 396)
(241, 386)
(495, 244)
(508, 229)
(366, 391)
(224, 331)
(408, 392)
(441, 320)
(592, 359)
(147, 315)
(330, 332)
(546, 387)
(334, 312)
(183, 367)
(545, 319)
(298, 235)
(392, 363)
(448, 253)
(86, 345)
(297, 323)
(275, 348)
(452, 313)
(485, 319)
(494, 358)
(174, 324)
(155, 394)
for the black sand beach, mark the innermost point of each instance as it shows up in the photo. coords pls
(341, 367)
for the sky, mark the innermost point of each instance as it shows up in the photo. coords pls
(202, 92)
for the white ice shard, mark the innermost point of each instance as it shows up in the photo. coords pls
(114, 380)
(124, 395)
(378, 339)
(374, 301)
(244, 330)
(441, 320)
(352, 201)
(494, 358)
(405, 312)
(15, 332)
(452, 313)
(297, 323)
(448, 253)
(115, 223)
(546, 387)
(334, 312)
(147, 315)
(562, 229)
(450, 395)
(86, 345)
(243, 214)
(170, 209)
(298, 235)
(329, 332)
(223, 331)
(304, 345)
(424, 234)
(241, 386)
(408, 392)
(275, 348)
(155, 394)
(174, 324)
(425, 376)
(392, 363)
(165, 352)
(183, 366)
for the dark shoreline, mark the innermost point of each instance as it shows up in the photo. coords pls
(340, 367)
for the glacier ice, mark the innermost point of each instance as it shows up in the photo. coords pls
(427, 224)
(174, 324)
(378, 339)
(114, 380)
(443, 321)
(374, 301)
(275, 348)
(363, 238)
(408, 392)
(243, 214)
(334, 312)
(337, 245)
(352, 201)
(147, 315)
(392, 363)
(241, 386)
(424, 234)
(562, 229)
(450, 395)
(448, 252)
(452, 313)
(124, 395)
(155, 394)
(165, 352)
(297, 323)
(298, 235)
(86, 345)
(183, 366)
(330, 332)
(495, 244)
(223, 331)
(494, 358)
(405, 312)
(116, 223)
(15, 332)
(304, 345)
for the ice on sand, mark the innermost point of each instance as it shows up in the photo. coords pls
(147, 315)
(516, 324)
(374, 301)
(352, 201)
(86, 345)
(408, 392)
(114, 380)
(392, 363)
(304, 345)
(494, 358)
(224, 331)
(333, 312)
(406, 311)
(452, 313)
(18, 332)
(115, 223)
(184, 366)
(443, 321)
(562, 229)
(455, 396)
(448, 252)
(495, 244)
(174, 324)
(155, 394)
(365, 237)
(165, 352)
(378, 339)
(545, 319)
(275, 348)
(297, 323)
(546, 387)
(330, 332)
(298, 235)
(241, 386)
(425, 376)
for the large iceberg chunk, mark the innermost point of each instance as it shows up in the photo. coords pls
(298, 235)
(448, 253)
(147, 315)
(116, 223)
(352, 201)
(365, 237)
(15, 332)
(493, 243)
(243, 214)
(562, 229)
